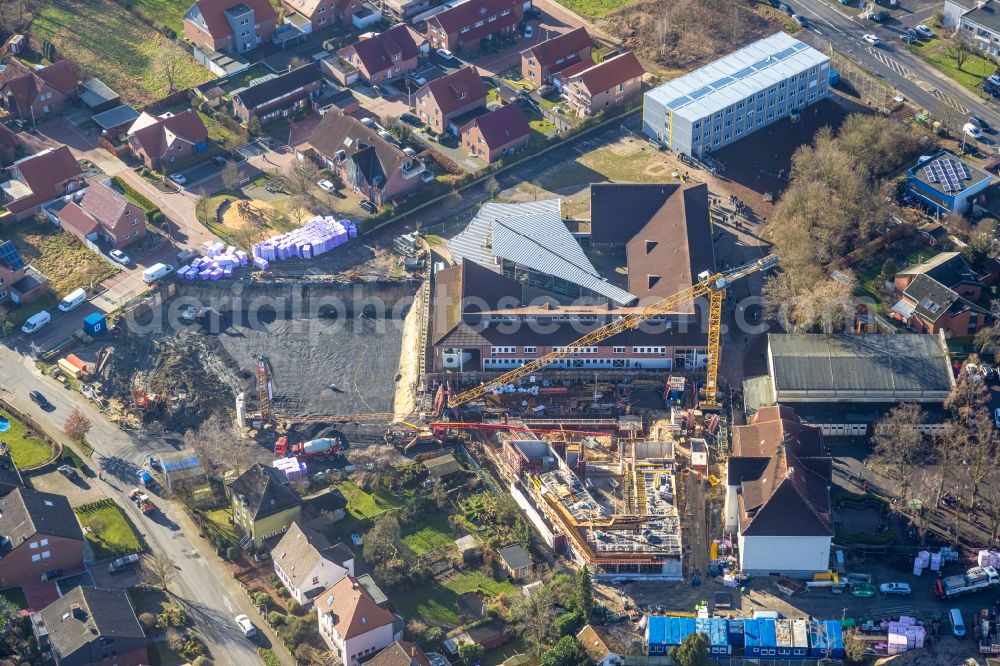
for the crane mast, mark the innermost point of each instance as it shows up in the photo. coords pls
(713, 285)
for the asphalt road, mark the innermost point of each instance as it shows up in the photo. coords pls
(839, 26)
(202, 584)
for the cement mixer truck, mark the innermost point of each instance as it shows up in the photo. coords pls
(323, 447)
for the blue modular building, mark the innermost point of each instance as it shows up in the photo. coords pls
(718, 638)
(734, 631)
(759, 638)
(663, 633)
(826, 639)
(95, 323)
(946, 182)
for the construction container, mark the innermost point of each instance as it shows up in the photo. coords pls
(826, 639)
(800, 640)
(72, 366)
(759, 638)
(95, 324)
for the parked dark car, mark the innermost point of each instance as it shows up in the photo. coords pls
(39, 399)
(68, 471)
(411, 119)
(369, 206)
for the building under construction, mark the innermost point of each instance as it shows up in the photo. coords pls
(617, 515)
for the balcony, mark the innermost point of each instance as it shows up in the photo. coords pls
(413, 169)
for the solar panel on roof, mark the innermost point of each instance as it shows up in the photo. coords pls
(949, 173)
(931, 176)
(10, 257)
(701, 92)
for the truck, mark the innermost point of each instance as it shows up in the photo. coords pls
(975, 579)
(324, 447)
(141, 500)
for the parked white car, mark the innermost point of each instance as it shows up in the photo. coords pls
(326, 185)
(901, 589)
(924, 31)
(973, 131)
(872, 39)
(246, 626)
(445, 54)
(120, 257)
(178, 178)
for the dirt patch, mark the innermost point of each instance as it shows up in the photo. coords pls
(244, 216)
(409, 362)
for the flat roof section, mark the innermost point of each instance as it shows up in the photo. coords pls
(735, 77)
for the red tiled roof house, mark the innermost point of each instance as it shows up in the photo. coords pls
(590, 89)
(498, 133)
(104, 212)
(38, 179)
(385, 56)
(542, 60)
(353, 626)
(323, 13)
(157, 140)
(464, 26)
(34, 93)
(230, 25)
(442, 100)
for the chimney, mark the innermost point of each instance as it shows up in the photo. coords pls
(791, 472)
(413, 650)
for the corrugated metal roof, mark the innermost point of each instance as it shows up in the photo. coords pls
(735, 77)
(906, 362)
(532, 235)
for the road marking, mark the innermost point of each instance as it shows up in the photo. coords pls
(950, 101)
(890, 63)
(229, 605)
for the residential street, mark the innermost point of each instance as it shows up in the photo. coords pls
(840, 26)
(203, 585)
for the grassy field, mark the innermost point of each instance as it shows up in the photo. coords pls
(362, 504)
(972, 72)
(168, 13)
(116, 537)
(105, 40)
(592, 9)
(66, 261)
(868, 280)
(625, 161)
(437, 603)
(430, 534)
(26, 451)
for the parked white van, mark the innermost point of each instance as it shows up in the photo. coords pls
(957, 623)
(73, 300)
(155, 272)
(36, 321)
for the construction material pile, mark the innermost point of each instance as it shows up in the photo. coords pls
(219, 262)
(292, 467)
(319, 235)
(904, 635)
(988, 558)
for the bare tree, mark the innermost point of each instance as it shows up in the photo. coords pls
(492, 186)
(168, 64)
(231, 176)
(958, 47)
(979, 452)
(899, 445)
(77, 425)
(219, 447)
(534, 617)
(158, 570)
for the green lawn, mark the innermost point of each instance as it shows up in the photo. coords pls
(430, 534)
(361, 504)
(972, 72)
(592, 8)
(15, 595)
(868, 279)
(26, 451)
(116, 538)
(219, 520)
(438, 603)
(168, 13)
(104, 40)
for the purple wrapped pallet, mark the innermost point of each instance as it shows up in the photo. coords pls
(307, 251)
(227, 272)
(261, 263)
(231, 249)
(204, 275)
(255, 250)
(242, 256)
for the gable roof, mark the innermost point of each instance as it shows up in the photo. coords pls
(60, 75)
(87, 614)
(457, 89)
(265, 490)
(24, 82)
(532, 235)
(43, 171)
(985, 14)
(674, 246)
(73, 217)
(789, 493)
(354, 611)
(8, 140)
(931, 299)
(156, 134)
(548, 52)
(269, 90)
(400, 653)
(469, 12)
(106, 205)
(377, 52)
(593, 643)
(609, 73)
(373, 154)
(301, 550)
(948, 268)
(501, 126)
(213, 13)
(10, 477)
(26, 512)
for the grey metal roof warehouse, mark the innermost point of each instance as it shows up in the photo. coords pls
(910, 367)
(733, 78)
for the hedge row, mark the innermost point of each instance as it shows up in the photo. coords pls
(134, 195)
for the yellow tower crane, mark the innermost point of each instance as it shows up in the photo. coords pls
(714, 286)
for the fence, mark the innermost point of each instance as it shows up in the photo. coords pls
(870, 89)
